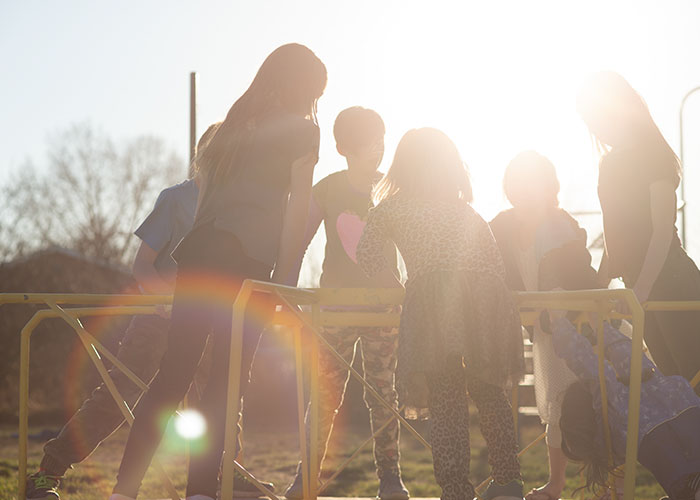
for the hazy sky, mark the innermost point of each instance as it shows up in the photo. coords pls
(497, 76)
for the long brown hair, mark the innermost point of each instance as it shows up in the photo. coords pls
(606, 97)
(426, 164)
(291, 79)
(580, 436)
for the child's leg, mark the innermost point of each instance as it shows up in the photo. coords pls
(449, 432)
(204, 466)
(141, 349)
(557, 467)
(379, 363)
(497, 427)
(186, 339)
(671, 452)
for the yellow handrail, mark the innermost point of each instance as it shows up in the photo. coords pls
(599, 301)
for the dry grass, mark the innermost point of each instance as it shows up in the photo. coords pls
(273, 456)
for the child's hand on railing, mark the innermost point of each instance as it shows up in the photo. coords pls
(163, 311)
(417, 394)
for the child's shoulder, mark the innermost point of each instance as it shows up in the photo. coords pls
(331, 185)
(333, 179)
(503, 218)
(472, 215)
(568, 220)
(176, 191)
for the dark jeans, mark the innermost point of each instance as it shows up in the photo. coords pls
(211, 269)
(671, 451)
(673, 337)
(99, 416)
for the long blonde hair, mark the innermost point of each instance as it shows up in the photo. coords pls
(607, 97)
(426, 165)
(202, 145)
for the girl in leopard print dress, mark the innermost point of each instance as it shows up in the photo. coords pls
(460, 328)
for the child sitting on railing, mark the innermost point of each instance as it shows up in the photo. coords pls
(457, 311)
(669, 414)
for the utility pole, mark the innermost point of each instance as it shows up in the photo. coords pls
(193, 120)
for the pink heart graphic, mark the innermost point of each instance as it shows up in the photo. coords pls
(350, 227)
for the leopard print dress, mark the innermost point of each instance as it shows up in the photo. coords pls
(457, 304)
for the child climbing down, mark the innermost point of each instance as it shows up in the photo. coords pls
(459, 326)
(669, 414)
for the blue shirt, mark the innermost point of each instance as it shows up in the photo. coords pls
(170, 220)
(663, 398)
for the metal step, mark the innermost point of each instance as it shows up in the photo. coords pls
(528, 411)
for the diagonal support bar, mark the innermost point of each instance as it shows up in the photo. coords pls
(353, 372)
(111, 387)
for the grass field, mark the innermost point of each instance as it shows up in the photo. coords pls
(273, 456)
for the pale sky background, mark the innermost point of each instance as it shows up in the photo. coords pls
(497, 76)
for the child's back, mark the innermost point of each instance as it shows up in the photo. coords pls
(457, 311)
(433, 235)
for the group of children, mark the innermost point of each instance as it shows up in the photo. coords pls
(460, 330)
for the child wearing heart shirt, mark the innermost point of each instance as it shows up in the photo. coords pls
(460, 328)
(341, 201)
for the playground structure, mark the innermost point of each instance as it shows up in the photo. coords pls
(302, 311)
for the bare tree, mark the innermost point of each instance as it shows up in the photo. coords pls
(90, 196)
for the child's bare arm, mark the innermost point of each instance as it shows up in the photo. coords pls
(146, 274)
(387, 279)
(313, 222)
(295, 219)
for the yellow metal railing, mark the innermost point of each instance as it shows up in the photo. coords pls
(601, 302)
(305, 326)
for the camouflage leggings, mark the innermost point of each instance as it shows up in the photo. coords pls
(379, 364)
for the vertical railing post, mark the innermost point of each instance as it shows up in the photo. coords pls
(635, 393)
(233, 394)
(315, 406)
(301, 407)
(25, 338)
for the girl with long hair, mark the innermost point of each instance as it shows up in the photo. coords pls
(256, 177)
(459, 325)
(669, 414)
(638, 177)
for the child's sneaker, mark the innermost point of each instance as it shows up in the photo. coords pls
(243, 488)
(391, 487)
(513, 489)
(42, 486)
(295, 491)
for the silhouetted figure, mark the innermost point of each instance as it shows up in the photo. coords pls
(459, 325)
(256, 185)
